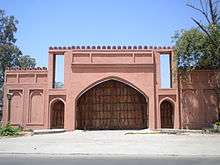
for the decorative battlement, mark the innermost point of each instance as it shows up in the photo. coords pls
(27, 75)
(26, 69)
(109, 47)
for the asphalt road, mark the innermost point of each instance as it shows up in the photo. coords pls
(12, 160)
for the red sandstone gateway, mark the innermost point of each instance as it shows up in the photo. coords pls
(108, 87)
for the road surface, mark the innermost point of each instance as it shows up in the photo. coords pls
(27, 160)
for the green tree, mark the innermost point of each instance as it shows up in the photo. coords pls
(59, 84)
(10, 55)
(26, 61)
(199, 47)
(190, 49)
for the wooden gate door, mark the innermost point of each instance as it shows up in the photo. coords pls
(166, 114)
(57, 115)
(112, 105)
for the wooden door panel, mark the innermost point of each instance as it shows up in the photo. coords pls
(167, 115)
(112, 105)
(57, 115)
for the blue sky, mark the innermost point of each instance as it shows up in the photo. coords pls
(44, 23)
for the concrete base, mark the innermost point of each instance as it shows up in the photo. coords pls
(164, 131)
(143, 131)
(174, 131)
(47, 131)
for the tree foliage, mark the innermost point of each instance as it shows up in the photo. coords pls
(27, 61)
(199, 47)
(59, 84)
(10, 55)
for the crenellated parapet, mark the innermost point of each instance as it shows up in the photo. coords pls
(140, 48)
(106, 56)
(108, 47)
(26, 69)
(16, 75)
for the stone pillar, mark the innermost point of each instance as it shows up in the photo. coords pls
(46, 109)
(67, 69)
(173, 72)
(157, 86)
(152, 116)
(175, 85)
(69, 118)
(51, 69)
(5, 105)
(26, 100)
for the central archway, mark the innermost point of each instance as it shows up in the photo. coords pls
(112, 105)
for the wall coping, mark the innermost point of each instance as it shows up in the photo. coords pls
(98, 47)
(26, 69)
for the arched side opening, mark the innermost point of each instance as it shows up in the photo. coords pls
(57, 115)
(112, 105)
(167, 114)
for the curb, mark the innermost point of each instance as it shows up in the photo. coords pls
(47, 131)
(84, 155)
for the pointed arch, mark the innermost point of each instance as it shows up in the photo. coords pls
(57, 111)
(111, 103)
(167, 109)
(112, 78)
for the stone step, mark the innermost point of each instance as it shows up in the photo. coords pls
(47, 131)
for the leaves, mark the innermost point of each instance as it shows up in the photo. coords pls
(7, 28)
(10, 55)
(9, 130)
(189, 48)
(27, 61)
(200, 47)
(59, 84)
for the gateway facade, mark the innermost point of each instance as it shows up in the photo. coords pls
(108, 87)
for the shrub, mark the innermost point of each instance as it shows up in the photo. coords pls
(217, 123)
(9, 130)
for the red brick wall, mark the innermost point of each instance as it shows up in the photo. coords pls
(199, 102)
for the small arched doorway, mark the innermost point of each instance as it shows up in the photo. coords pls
(57, 114)
(167, 114)
(112, 105)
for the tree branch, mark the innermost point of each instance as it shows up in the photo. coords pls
(205, 31)
(213, 12)
(201, 11)
(204, 9)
